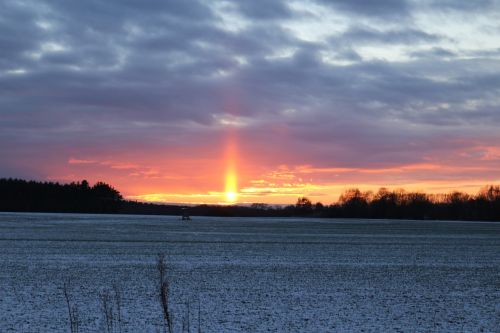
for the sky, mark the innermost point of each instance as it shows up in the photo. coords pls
(251, 101)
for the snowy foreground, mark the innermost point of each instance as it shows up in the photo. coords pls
(251, 275)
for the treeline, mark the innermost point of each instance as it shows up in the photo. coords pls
(353, 203)
(17, 195)
(399, 204)
(79, 197)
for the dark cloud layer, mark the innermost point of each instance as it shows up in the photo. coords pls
(167, 73)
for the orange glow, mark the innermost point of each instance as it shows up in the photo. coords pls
(231, 179)
(231, 187)
(230, 124)
(227, 179)
(227, 172)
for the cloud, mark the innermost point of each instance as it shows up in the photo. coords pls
(464, 6)
(380, 83)
(401, 36)
(382, 8)
(80, 161)
(263, 9)
(433, 53)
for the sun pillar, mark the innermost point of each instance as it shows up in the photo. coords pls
(231, 179)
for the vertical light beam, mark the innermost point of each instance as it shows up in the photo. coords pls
(231, 186)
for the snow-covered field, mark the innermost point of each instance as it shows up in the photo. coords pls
(251, 275)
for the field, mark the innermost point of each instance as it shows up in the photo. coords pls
(251, 275)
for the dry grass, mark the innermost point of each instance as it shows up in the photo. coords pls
(161, 266)
(74, 321)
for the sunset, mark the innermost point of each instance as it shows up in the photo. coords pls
(227, 102)
(249, 166)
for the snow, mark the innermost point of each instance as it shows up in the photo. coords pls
(252, 275)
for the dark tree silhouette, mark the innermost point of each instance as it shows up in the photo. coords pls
(28, 196)
(18, 195)
(354, 203)
(399, 204)
(303, 206)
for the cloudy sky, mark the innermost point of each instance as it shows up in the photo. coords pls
(168, 99)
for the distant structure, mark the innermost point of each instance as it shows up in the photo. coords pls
(185, 214)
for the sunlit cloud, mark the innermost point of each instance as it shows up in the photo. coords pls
(80, 161)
